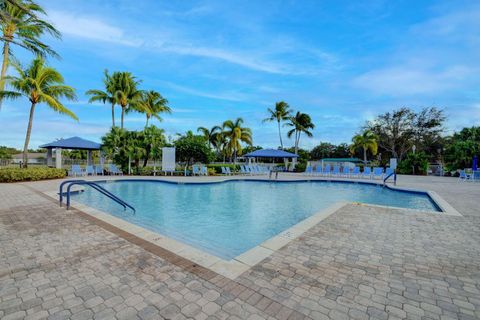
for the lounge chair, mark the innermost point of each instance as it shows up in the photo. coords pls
(336, 171)
(388, 171)
(99, 170)
(327, 171)
(204, 171)
(76, 171)
(228, 171)
(355, 172)
(224, 171)
(308, 171)
(367, 173)
(195, 170)
(464, 176)
(89, 170)
(377, 172)
(346, 172)
(114, 170)
(318, 171)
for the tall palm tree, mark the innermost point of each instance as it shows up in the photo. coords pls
(211, 135)
(152, 104)
(281, 113)
(366, 140)
(300, 123)
(20, 25)
(126, 92)
(107, 96)
(39, 84)
(235, 135)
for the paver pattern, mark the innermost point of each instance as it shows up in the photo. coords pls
(361, 262)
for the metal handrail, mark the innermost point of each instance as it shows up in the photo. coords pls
(94, 186)
(394, 178)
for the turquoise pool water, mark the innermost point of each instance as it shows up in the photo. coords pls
(227, 219)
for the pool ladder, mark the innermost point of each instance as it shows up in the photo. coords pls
(94, 186)
(394, 179)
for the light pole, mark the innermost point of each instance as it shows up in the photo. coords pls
(414, 147)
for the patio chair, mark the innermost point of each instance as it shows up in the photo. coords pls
(377, 172)
(318, 171)
(346, 172)
(327, 171)
(99, 170)
(336, 171)
(204, 171)
(308, 171)
(224, 171)
(114, 170)
(195, 170)
(464, 176)
(89, 170)
(355, 172)
(367, 173)
(76, 171)
(228, 171)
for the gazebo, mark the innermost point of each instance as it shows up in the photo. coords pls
(73, 143)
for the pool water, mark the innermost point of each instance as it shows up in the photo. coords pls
(229, 218)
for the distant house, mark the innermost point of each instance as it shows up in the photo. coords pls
(33, 158)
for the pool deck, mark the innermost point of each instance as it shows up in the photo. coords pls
(360, 262)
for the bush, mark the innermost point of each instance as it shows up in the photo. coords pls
(30, 174)
(417, 161)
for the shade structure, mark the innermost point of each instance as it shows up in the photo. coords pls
(73, 143)
(270, 153)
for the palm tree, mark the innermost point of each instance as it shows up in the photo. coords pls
(39, 84)
(280, 113)
(20, 25)
(152, 104)
(366, 140)
(107, 96)
(235, 135)
(211, 135)
(126, 92)
(301, 123)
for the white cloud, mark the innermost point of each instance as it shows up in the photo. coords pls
(89, 27)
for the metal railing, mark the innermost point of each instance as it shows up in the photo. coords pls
(390, 175)
(94, 186)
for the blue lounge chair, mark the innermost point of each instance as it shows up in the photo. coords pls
(367, 173)
(377, 172)
(318, 170)
(223, 170)
(308, 171)
(346, 172)
(336, 171)
(464, 176)
(195, 170)
(204, 171)
(228, 171)
(99, 170)
(356, 172)
(327, 171)
(89, 170)
(114, 170)
(388, 171)
(76, 170)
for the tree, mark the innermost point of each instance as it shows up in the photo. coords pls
(107, 96)
(461, 147)
(235, 135)
(323, 150)
(281, 113)
(301, 123)
(39, 84)
(20, 25)
(367, 141)
(192, 148)
(153, 141)
(211, 135)
(152, 104)
(414, 163)
(399, 130)
(126, 92)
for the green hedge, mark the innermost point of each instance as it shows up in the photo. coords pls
(31, 174)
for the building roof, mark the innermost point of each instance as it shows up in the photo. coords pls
(73, 143)
(270, 153)
(354, 160)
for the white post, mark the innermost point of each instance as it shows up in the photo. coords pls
(49, 157)
(58, 158)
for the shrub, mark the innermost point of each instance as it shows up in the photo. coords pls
(417, 161)
(30, 174)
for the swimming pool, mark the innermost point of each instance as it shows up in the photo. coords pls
(228, 218)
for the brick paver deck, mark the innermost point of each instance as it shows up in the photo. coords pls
(362, 262)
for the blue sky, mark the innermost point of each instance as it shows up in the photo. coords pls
(343, 62)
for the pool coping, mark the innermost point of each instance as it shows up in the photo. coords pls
(236, 266)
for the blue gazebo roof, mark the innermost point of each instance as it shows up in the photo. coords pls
(73, 143)
(270, 153)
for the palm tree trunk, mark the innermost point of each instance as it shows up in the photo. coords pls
(113, 114)
(297, 140)
(4, 68)
(280, 135)
(123, 115)
(365, 155)
(146, 123)
(27, 138)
